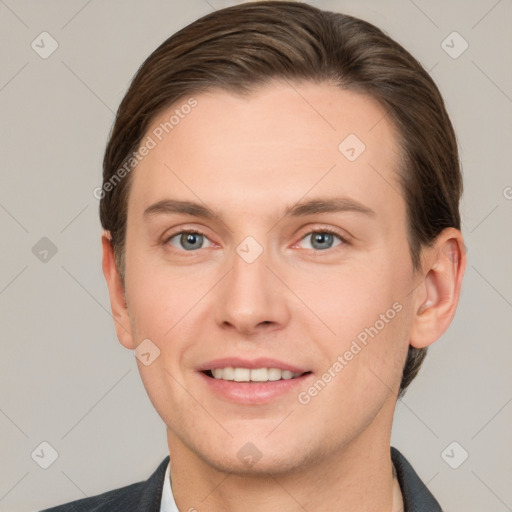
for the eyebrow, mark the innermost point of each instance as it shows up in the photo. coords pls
(328, 205)
(169, 206)
(300, 209)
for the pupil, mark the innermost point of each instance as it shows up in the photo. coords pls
(191, 240)
(323, 239)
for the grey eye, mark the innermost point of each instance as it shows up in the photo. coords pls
(321, 240)
(189, 240)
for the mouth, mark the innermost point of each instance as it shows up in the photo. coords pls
(263, 383)
(253, 381)
(252, 375)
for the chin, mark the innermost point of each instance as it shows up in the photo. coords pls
(257, 465)
(261, 456)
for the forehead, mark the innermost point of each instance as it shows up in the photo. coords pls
(274, 146)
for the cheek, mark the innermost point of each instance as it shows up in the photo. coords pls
(158, 295)
(366, 309)
(350, 298)
(167, 306)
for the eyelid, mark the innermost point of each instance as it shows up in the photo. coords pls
(345, 237)
(341, 234)
(183, 230)
(167, 237)
(178, 230)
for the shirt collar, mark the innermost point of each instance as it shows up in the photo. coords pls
(167, 503)
(415, 494)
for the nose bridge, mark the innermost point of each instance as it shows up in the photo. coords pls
(251, 295)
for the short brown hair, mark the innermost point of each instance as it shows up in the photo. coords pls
(245, 46)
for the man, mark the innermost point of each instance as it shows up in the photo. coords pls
(282, 243)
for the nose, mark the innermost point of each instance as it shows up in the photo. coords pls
(251, 298)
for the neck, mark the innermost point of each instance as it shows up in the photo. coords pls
(357, 477)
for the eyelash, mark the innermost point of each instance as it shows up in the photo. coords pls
(331, 231)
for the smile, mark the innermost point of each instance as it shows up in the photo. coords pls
(238, 374)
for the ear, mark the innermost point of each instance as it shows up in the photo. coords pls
(116, 292)
(437, 297)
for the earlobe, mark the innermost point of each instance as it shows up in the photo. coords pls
(116, 293)
(438, 295)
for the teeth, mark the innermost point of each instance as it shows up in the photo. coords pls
(254, 375)
(227, 373)
(287, 374)
(241, 375)
(259, 375)
(274, 374)
(217, 373)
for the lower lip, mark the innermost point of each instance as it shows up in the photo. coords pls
(253, 392)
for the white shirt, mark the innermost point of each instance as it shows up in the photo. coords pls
(168, 504)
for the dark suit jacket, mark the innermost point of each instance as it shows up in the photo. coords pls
(146, 496)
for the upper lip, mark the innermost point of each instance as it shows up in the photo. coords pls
(260, 362)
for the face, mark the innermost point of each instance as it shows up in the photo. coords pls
(266, 239)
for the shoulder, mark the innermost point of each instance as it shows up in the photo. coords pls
(144, 496)
(112, 501)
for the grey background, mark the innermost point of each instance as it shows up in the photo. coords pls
(66, 380)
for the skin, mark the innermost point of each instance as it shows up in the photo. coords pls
(248, 159)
